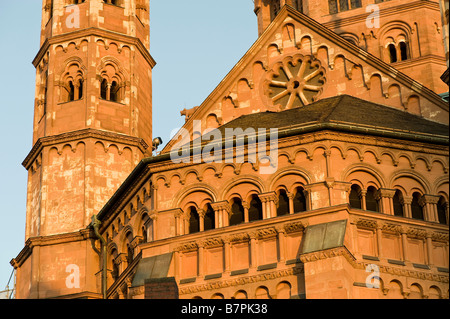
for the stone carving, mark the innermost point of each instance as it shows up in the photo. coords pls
(296, 81)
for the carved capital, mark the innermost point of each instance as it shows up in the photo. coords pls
(294, 227)
(266, 233)
(431, 199)
(191, 246)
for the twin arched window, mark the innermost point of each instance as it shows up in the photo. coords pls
(399, 53)
(253, 210)
(336, 6)
(364, 199)
(71, 82)
(195, 221)
(112, 80)
(368, 200)
(110, 91)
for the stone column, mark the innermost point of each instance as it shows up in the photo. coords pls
(76, 93)
(282, 243)
(201, 259)
(386, 197)
(269, 202)
(431, 202)
(291, 197)
(379, 239)
(404, 244)
(253, 251)
(407, 200)
(222, 211)
(108, 91)
(201, 215)
(121, 262)
(154, 227)
(429, 243)
(226, 213)
(227, 254)
(362, 195)
(178, 223)
(246, 206)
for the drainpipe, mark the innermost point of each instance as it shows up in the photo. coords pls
(95, 225)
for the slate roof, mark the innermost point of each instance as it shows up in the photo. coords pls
(345, 110)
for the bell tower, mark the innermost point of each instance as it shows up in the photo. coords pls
(267, 10)
(92, 126)
(93, 109)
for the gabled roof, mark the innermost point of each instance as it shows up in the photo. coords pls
(359, 65)
(343, 109)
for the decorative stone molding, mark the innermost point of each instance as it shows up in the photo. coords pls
(212, 243)
(241, 281)
(438, 236)
(136, 241)
(294, 227)
(187, 247)
(240, 237)
(367, 223)
(329, 253)
(269, 197)
(416, 233)
(392, 228)
(266, 233)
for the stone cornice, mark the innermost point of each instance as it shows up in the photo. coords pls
(383, 13)
(329, 253)
(80, 135)
(94, 32)
(32, 242)
(240, 281)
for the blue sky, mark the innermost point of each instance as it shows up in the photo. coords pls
(195, 44)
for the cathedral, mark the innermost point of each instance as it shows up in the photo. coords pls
(318, 168)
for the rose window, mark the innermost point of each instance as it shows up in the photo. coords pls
(295, 82)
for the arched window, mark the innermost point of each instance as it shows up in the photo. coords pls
(71, 92)
(209, 222)
(398, 203)
(354, 197)
(255, 210)
(130, 249)
(147, 228)
(283, 203)
(71, 81)
(104, 89)
(114, 95)
(442, 210)
(115, 268)
(80, 89)
(262, 293)
(299, 200)
(237, 212)
(371, 201)
(392, 53)
(416, 208)
(194, 221)
(403, 50)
